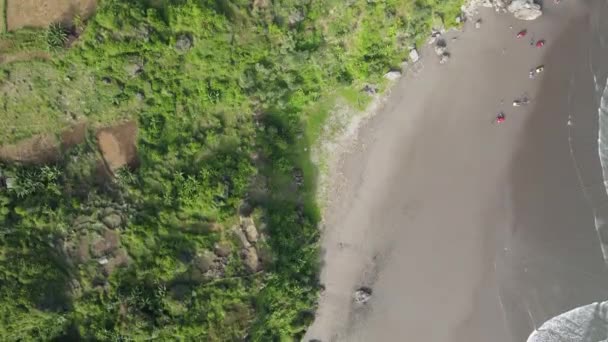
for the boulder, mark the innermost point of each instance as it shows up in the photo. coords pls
(525, 9)
(119, 258)
(362, 295)
(240, 238)
(250, 259)
(444, 58)
(203, 261)
(82, 222)
(392, 75)
(103, 245)
(112, 220)
(251, 233)
(370, 89)
(133, 69)
(295, 18)
(10, 182)
(78, 251)
(440, 50)
(183, 43)
(222, 249)
(248, 226)
(414, 56)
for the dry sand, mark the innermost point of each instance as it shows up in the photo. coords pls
(428, 196)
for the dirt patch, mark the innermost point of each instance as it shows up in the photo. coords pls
(39, 149)
(73, 136)
(43, 148)
(117, 145)
(24, 56)
(42, 13)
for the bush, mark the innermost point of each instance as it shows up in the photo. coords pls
(56, 36)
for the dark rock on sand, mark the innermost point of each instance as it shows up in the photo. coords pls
(363, 294)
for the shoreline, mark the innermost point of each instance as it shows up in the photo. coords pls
(558, 172)
(360, 255)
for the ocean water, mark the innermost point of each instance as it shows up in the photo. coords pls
(589, 321)
(599, 66)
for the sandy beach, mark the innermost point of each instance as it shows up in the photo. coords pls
(466, 230)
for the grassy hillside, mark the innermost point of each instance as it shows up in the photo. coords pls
(228, 96)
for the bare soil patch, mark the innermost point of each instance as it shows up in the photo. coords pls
(42, 13)
(39, 149)
(43, 148)
(117, 145)
(73, 136)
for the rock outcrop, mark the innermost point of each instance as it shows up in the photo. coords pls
(414, 56)
(521, 9)
(525, 9)
(206, 266)
(392, 75)
(250, 243)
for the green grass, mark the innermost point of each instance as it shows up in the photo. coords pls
(211, 83)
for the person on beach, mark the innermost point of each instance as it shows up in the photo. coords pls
(500, 118)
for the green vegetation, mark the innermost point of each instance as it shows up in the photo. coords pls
(2, 16)
(229, 96)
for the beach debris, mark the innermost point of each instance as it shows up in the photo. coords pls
(500, 118)
(478, 23)
(363, 295)
(522, 101)
(522, 33)
(392, 75)
(414, 56)
(540, 43)
(536, 71)
(525, 9)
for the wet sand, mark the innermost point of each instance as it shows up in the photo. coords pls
(427, 209)
(552, 260)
